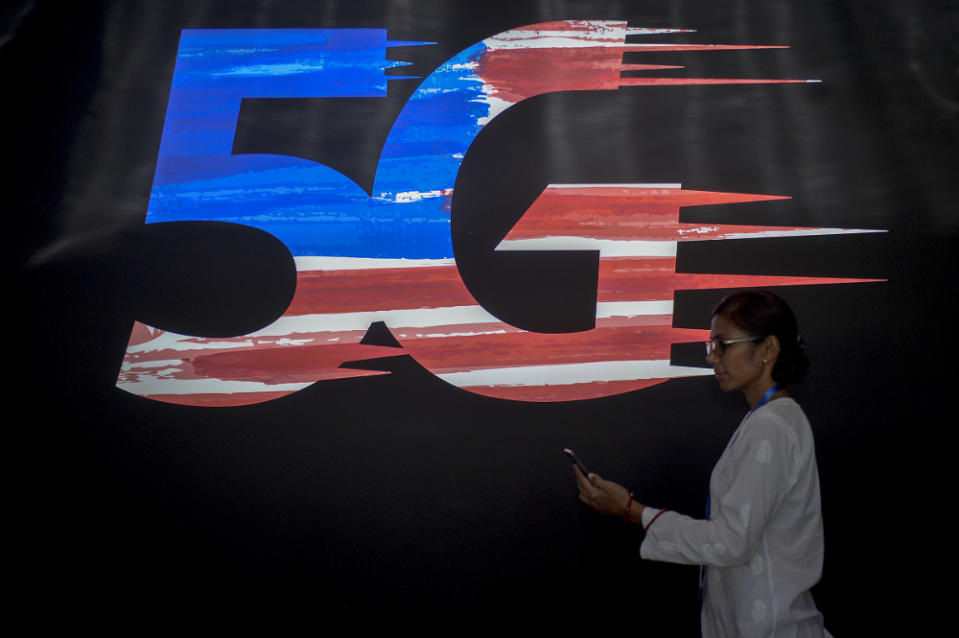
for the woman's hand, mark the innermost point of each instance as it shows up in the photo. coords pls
(605, 496)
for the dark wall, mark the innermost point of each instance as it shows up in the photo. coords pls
(400, 496)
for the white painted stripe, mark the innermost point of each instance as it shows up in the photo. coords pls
(128, 365)
(401, 319)
(604, 310)
(653, 31)
(442, 335)
(604, 35)
(570, 373)
(539, 41)
(606, 247)
(405, 197)
(206, 386)
(174, 341)
(495, 105)
(608, 309)
(365, 263)
(800, 232)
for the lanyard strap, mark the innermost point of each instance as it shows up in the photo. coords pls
(767, 395)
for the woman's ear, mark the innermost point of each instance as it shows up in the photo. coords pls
(770, 348)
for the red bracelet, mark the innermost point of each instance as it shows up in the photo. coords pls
(629, 504)
(650, 524)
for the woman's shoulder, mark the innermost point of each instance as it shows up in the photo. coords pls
(783, 415)
(785, 406)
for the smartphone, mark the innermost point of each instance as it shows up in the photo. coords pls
(575, 459)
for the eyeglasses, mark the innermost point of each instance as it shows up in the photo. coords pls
(718, 346)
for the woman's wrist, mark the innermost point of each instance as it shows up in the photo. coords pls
(636, 513)
(633, 510)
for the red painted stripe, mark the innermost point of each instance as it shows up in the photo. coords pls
(263, 362)
(301, 364)
(619, 282)
(217, 400)
(635, 278)
(141, 333)
(619, 343)
(618, 212)
(332, 291)
(652, 278)
(516, 74)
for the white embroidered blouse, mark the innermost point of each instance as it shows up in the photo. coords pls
(763, 543)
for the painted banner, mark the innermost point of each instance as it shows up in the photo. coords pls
(387, 256)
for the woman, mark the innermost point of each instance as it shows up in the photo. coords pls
(761, 544)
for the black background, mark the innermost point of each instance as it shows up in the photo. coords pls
(400, 497)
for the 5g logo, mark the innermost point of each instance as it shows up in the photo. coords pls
(387, 256)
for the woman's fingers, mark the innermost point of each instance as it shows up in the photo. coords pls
(587, 490)
(602, 495)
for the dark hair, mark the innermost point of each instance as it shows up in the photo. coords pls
(761, 314)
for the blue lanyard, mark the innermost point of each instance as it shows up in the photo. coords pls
(767, 395)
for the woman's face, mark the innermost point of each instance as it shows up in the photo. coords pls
(741, 367)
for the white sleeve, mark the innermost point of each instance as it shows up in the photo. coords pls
(649, 513)
(746, 487)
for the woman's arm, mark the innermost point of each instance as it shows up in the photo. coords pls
(746, 489)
